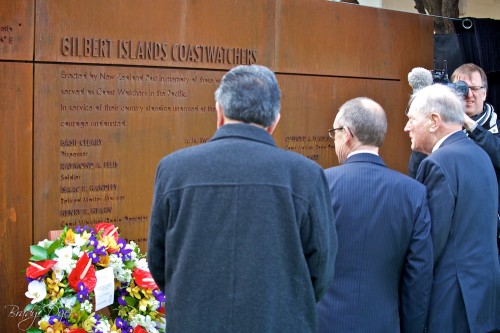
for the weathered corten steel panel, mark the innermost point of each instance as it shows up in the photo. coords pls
(16, 29)
(304, 123)
(16, 122)
(196, 34)
(338, 39)
(112, 86)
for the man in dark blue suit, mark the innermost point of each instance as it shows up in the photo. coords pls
(383, 271)
(462, 193)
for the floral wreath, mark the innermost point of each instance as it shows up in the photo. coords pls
(62, 277)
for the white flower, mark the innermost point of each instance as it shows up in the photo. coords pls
(87, 306)
(142, 264)
(80, 241)
(102, 326)
(45, 243)
(68, 302)
(145, 321)
(37, 291)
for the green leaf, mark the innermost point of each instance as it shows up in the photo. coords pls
(38, 252)
(129, 264)
(53, 247)
(29, 307)
(130, 301)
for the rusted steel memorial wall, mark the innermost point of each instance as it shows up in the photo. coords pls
(93, 93)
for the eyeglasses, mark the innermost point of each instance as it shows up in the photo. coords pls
(331, 131)
(475, 88)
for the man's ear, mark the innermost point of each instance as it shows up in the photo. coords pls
(220, 114)
(435, 120)
(271, 128)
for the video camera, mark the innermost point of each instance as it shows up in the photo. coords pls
(441, 76)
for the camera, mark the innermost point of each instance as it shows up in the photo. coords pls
(441, 76)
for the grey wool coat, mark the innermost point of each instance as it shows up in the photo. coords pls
(242, 235)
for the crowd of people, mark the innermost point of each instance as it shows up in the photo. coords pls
(247, 237)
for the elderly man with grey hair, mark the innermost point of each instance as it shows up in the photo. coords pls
(383, 271)
(242, 235)
(463, 211)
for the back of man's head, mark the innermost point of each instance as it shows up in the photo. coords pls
(439, 99)
(250, 94)
(366, 119)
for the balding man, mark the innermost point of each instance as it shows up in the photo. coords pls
(383, 271)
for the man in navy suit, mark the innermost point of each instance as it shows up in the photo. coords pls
(383, 271)
(462, 193)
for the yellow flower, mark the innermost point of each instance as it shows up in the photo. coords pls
(103, 261)
(57, 327)
(89, 323)
(55, 289)
(115, 329)
(109, 243)
(134, 291)
(70, 237)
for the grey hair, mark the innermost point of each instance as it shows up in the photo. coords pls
(250, 94)
(366, 119)
(440, 99)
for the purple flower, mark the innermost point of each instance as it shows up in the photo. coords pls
(159, 296)
(80, 229)
(121, 323)
(122, 244)
(121, 298)
(83, 292)
(93, 241)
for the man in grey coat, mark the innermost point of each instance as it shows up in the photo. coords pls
(242, 235)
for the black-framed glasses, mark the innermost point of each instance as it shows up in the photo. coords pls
(475, 88)
(331, 131)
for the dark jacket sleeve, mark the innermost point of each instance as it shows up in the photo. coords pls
(319, 237)
(490, 143)
(416, 281)
(156, 234)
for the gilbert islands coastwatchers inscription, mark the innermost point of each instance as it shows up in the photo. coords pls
(111, 125)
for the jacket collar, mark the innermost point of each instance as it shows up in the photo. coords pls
(453, 138)
(365, 157)
(243, 131)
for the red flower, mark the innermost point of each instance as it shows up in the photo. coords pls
(108, 230)
(139, 329)
(39, 268)
(83, 272)
(144, 279)
(77, 330)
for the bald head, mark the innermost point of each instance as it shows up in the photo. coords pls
(365, 118)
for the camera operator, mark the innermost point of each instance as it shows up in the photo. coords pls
(480, 122)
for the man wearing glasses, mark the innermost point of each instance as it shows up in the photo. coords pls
(481, 122)
(383, 270)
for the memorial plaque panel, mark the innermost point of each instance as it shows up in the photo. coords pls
(16, 30)
(200, 34)
(94, 95)
(346, 40)
(304, 123)
(16, 121)
(99, 134)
